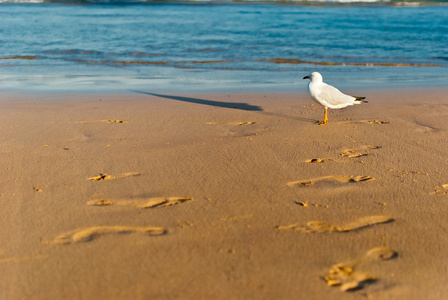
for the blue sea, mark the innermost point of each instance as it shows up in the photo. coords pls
(208, 45)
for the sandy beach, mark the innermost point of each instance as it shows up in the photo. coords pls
(223, 196)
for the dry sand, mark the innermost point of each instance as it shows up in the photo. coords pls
(223, 196)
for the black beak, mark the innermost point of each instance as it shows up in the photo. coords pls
(306, 77)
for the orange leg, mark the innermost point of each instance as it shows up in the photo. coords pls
(325, 118)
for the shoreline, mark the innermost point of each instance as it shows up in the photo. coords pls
(227, 80)
(300, 90)
(223, 195)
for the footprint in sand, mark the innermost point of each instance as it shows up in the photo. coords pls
(231, 123)
(351, 153)
(112, 177)
(367, 121)
(348, 278)
(443, 190)
(334, 178)
(425, 128)
(114, 121)
(319, 160)
(321, 227)
(374, 122)
(91, 233)
(141, 203)
(107, 121)
(306, 204)
(358, 152)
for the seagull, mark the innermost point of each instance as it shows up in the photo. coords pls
(328, 96)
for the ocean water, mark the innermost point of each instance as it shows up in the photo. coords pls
(111, 45)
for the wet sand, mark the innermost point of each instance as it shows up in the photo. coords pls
(223, 196)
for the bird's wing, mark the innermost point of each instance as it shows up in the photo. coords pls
(333, 96)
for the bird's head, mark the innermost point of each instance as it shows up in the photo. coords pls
(315, 76)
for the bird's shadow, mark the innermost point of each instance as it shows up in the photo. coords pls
(232, 105)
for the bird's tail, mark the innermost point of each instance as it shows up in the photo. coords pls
(361, 99)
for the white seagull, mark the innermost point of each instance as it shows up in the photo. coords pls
(328, 96)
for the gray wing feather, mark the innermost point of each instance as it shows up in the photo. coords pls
(334, 96)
